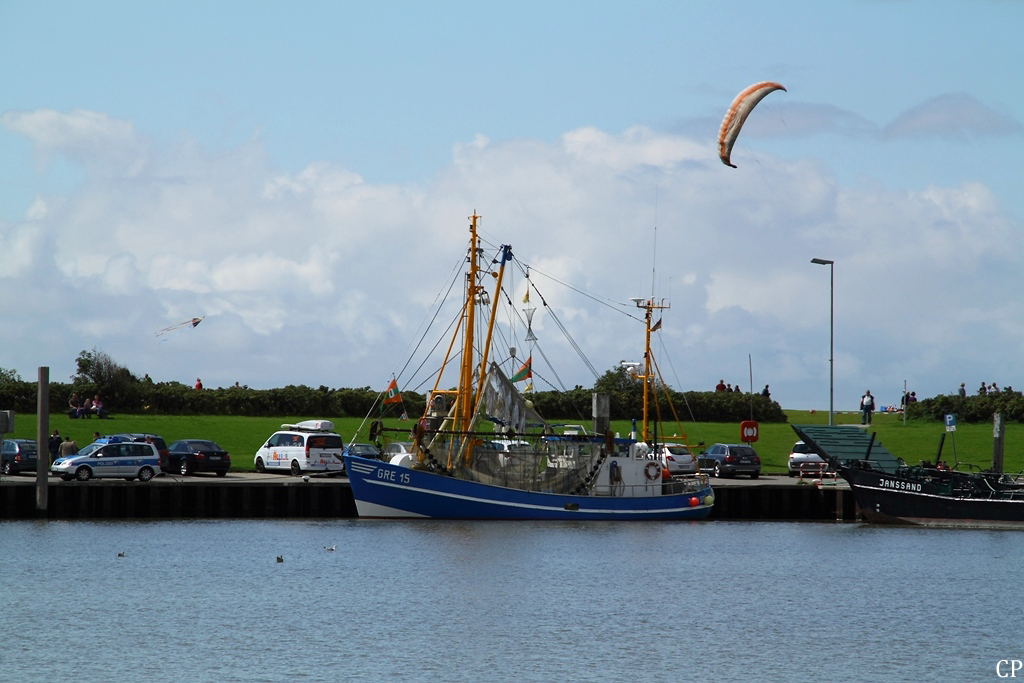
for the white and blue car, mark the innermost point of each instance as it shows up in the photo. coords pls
(127, 460)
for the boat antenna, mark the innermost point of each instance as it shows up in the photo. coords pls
(654, 252)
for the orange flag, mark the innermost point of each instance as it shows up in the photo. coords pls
(393, 395)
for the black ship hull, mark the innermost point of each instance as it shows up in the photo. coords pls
(889, 491)
(938, 500)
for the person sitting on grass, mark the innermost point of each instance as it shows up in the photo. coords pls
(97, 407)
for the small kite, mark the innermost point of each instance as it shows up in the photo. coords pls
(737, 114)
(193, 322)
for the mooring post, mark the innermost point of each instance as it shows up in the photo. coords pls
(998, 433)
(42, 439)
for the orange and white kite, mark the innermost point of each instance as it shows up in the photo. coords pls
(737, 114)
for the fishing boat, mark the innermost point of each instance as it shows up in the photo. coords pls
(889, 491)
(482, 451)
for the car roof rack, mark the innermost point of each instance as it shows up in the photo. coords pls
(310, 426)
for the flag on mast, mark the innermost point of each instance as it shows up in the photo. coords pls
(392, 391)
(525, 372)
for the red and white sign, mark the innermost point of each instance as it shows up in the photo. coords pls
(748, 431)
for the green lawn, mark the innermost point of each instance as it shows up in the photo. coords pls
(242, 436)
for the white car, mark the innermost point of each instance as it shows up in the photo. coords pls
(803, 455)
(309, 446)
(127, 460)
(677, 459)
(397, 448)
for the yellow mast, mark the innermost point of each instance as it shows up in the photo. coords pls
(466, 392)
(648, 377)
(465, 402)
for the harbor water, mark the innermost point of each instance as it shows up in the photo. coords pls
(491, 601)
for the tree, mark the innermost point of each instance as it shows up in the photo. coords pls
(625, 391)
(114, 382)
(7, 376)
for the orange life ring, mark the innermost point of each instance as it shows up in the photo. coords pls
(652, 471)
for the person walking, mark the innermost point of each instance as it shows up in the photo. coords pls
(867, 406)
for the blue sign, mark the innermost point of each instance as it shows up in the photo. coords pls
(950, 423)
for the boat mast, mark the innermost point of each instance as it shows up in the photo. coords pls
(506, 253)
(465, 390)
(648, 377)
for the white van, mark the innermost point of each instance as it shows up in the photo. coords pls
(310, 446)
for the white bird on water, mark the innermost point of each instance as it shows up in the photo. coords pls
(121, 554)
(331, 547)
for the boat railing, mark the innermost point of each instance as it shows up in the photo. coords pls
(815, 470)
(671, 486)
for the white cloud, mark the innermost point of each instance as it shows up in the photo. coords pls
(93, 139)
(320, 277)
(955, 116)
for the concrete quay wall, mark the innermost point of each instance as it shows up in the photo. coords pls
(263, 496)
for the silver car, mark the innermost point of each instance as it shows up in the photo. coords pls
(677, 459)
(127, 460)
(803, 455)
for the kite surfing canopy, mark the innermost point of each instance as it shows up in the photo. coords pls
(180, 326)
(737, 114)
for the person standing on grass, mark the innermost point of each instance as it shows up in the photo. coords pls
(867, 406)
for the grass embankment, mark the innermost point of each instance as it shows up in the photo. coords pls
(242, 436)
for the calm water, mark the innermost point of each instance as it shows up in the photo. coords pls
(478, 601)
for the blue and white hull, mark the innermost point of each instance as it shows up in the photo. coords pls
(394, 491)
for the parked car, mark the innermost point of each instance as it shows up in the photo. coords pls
(158, 441)
(397, 448)
(187, 456)
(309, 446)
(677, 459)
(19, 455)
(803, 455)
(730, 459)
(364, 450)
(126, 459)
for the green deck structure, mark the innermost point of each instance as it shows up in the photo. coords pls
(845, 444)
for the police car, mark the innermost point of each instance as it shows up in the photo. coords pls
(310, 446)
(126, 459)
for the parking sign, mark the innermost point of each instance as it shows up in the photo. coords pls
(950, 423)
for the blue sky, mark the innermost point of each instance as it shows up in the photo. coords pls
(301, 174)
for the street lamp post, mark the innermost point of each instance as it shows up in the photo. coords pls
(831, 332)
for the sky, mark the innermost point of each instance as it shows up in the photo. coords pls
(300, 175)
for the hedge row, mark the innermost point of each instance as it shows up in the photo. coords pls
(970, 408)
(174, 398)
